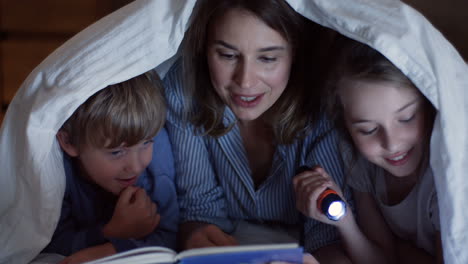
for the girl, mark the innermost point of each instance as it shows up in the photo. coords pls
(386, 125)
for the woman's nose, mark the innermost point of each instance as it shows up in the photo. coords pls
(245, 75)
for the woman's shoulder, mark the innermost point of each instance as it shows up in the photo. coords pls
(174, 94)
(173, 81)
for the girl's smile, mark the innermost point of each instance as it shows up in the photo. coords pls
(387, 124)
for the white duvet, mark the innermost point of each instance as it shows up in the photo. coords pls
(147, 34)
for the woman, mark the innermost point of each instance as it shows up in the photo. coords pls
(246, 128)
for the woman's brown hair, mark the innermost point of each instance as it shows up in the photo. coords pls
(289, 116)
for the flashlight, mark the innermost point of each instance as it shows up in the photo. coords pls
(329, 202)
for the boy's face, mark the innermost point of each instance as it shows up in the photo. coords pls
(115, 169)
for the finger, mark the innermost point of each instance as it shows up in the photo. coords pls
(223, 240)
(199, 241)
(153, 209)
(140, 197)
(306, 186)
(157, 220)
(309, 259)
(303, 180)
(127, 194)
(219, 238)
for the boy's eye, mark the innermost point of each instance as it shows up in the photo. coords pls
(368, 132)
(116, 152)
(148, 142)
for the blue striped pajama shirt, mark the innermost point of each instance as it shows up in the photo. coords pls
(214, 181)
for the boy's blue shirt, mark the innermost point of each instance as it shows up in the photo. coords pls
(86, 207)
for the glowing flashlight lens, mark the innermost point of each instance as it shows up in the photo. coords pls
(329, 202)
(332, 205)
(336, 209)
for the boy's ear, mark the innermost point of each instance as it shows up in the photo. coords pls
(64, 141)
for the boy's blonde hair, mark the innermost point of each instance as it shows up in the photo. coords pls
(127, 112)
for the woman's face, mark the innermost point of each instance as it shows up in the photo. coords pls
(249, 63)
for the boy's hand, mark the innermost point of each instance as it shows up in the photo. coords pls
(135, 215)
(308, 186)
(89, 254)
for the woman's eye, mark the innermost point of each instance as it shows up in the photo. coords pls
(268, 59)
(227, 56)
(368, 132)
(406, 120)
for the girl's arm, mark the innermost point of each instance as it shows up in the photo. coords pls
(408, 253)
(308, 186)
(378, 239)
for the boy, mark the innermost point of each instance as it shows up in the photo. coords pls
(119, 191)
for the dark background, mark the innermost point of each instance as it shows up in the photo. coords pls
(32, 29)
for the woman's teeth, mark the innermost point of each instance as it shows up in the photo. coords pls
(248, 99)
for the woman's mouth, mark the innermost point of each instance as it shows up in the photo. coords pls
(247, 100)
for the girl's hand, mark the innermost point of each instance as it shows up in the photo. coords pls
(135, 215)
(308, 186)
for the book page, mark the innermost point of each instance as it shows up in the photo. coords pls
(229, 249)
(144, 255)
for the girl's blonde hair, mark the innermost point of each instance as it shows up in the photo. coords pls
(354, 61)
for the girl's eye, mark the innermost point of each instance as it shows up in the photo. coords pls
(407, 120)
(368, 132)
(148, 142)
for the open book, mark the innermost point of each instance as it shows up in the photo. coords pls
(252, 254)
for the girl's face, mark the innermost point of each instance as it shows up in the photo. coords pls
(249, 63)
(387, 123)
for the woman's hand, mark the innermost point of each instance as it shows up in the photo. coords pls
(205, 235)
(308, 186)
(135, 215)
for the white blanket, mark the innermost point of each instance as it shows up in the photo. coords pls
(147, 34)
